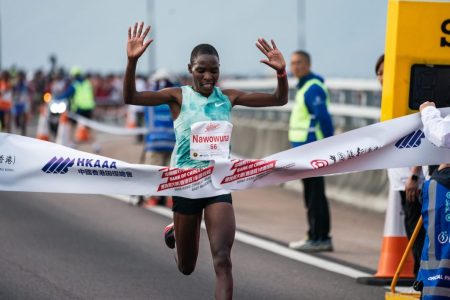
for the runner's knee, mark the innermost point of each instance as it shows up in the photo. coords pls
(222, 260)
(186, 267)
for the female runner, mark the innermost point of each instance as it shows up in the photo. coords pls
(202, 101)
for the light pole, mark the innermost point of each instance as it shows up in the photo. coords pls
(301, 24)
(151, 21)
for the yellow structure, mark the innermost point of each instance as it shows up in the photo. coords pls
(407, 296)
(417, 56)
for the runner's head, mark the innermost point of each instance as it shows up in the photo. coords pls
(204, 67)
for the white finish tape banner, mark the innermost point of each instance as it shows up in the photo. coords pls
(32, 165)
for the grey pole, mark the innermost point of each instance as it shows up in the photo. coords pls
(301, 23)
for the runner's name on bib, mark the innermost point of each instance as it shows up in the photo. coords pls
(210, 140)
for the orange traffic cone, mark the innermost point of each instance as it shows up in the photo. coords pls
(394, 241)
(42, 127)
(82, 134)
(63, 134)
(151, 201)
(393, 246)
(131, 117)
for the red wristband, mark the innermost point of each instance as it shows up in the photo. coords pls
(284, 74)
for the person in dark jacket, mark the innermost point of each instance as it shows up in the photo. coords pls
(311, 121)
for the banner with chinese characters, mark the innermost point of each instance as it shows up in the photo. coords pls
(32, 165)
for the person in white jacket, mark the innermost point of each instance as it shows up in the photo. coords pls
(435, 127)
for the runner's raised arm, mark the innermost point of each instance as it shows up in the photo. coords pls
(136, 46)
(275, 60)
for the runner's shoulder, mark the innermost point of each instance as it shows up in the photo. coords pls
(174, 92)
(232, 94)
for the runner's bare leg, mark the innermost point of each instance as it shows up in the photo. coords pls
(221, 227)
(187, 235)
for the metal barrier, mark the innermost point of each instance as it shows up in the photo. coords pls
(354, 102)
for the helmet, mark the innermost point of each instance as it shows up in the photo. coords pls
(75, 70)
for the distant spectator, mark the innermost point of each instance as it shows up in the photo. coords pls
(21, 102)
(5, 101)
(117, 88)
(81, 93)
(37, 87)
(141, 85)
(102, 90)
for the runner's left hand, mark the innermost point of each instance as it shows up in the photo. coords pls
(275, 59)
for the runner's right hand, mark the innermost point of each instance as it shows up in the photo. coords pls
(135, 44)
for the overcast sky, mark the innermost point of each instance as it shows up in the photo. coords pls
(344, 37)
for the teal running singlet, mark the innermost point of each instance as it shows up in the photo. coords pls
(196, 108)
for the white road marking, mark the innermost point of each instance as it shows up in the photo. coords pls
(271, 247)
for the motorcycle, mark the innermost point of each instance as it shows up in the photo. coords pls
(56, 107)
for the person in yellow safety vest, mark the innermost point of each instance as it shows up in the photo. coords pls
(82, 101)
(81, 94)
(310, 121)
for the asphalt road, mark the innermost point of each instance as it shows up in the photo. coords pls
(55, 246)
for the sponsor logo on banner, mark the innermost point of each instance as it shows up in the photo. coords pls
(58, 165)
(350, 154)
(7, 161)
(319, 163)
(244, 169)
(178, 178)
(86, 166)
(412, 140)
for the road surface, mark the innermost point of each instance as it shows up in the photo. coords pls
(56, 246)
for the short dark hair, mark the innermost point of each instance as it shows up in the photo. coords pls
(203, 49)
(380, 60)
(304, 54)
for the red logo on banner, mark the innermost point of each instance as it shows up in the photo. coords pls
(319, 163)
(181, 177)
(249, 168)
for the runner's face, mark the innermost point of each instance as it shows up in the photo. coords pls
(205, 73)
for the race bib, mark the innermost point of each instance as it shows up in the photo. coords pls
(210, 140)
